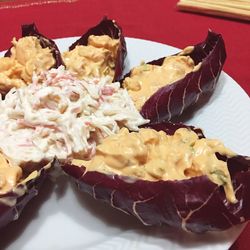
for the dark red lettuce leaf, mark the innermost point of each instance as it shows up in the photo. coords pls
(171, 100)
(170, 128)
(111, 28)
(31, 30)
(196, 204)
(20, 199)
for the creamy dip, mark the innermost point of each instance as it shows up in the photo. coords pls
(146, 79)
(27, 56)
(97, 59)
(153, 156)
(59, 115)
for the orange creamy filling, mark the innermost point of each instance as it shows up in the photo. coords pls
(97, 59)
(27, 57)
(10, 175)
(153, 156)
(146, 79)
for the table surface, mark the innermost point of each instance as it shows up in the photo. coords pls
(159, 21)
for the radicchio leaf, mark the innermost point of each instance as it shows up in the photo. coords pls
(13, 202)
(172, 99)
(196, 204)
(170, 128)
(31, 30)
(111, 28)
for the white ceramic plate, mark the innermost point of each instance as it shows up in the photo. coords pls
(63, 218)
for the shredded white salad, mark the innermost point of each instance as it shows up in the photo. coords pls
(59, 115)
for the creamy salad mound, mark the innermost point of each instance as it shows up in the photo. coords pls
(60, 115)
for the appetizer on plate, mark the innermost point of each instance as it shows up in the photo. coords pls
(32, 53)
(18, 185)
(168, 174)
(164, 88)
(99, 52)
(74, 110)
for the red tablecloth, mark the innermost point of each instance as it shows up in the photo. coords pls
(156, 20)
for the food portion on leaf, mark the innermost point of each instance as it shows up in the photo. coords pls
(146, 79)
(10, 174)
(96, 59)
(183, 180)
(32, 53)
(100, 52)
(164, 88)
(10, 74)
(18, 185)
(153, 155)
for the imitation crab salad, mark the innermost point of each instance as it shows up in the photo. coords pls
(60, 115)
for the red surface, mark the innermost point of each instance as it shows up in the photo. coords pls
(156, 20)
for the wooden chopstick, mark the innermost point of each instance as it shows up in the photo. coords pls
(238, 9)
